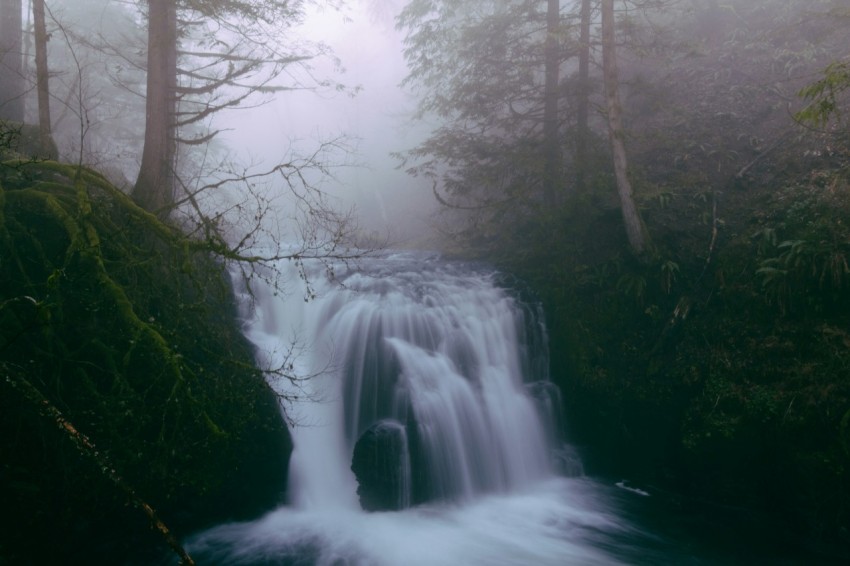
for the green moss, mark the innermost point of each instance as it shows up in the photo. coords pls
(129, 329)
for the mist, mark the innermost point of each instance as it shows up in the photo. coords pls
(425, 282)
(372, 117)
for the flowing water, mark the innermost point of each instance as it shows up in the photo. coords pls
(450, 366)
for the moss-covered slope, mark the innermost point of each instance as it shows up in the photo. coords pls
(129, 330)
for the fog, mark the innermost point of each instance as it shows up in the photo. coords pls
(649, 363)
(372, 115)
(682, 64)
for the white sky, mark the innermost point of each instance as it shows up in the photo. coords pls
(369, 48)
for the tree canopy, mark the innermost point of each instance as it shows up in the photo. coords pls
(480, 71)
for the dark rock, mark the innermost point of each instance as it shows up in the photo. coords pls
(382, 466)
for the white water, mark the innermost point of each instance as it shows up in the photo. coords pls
(444, 356)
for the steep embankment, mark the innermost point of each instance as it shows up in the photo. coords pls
(128, 330)
(719, 367)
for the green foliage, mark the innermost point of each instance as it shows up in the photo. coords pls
(720, 367)
(479, 68)
(810, 271)
(632, 285)
(824, 95)
(669, 274)
(729, 371)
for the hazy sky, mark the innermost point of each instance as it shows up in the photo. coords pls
(378, 117)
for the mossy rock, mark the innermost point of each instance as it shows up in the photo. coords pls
(130, 330)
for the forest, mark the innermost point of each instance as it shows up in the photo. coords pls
(668, 179)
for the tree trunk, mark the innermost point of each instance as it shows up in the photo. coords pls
(552, 151)
(631, 217)
(42, 78)
(583, 110)
(12, 86)
(154, 189)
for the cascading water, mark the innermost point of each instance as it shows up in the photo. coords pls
(433, 379)
(440, 354)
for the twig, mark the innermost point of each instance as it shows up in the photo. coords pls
(743, 171)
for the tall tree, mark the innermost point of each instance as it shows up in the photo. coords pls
(206, 56)
(42, 76)
(635, 230)
(97, 83)
(489, 73)
(154, 189)
(12, 84)
(583, 102)
(551, 118)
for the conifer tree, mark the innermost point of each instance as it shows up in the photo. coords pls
(12, 83)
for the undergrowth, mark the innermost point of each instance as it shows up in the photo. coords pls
(718, 366)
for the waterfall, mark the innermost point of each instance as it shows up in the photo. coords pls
(437, 350)
(429, 380)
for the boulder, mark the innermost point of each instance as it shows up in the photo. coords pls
(381, 463)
